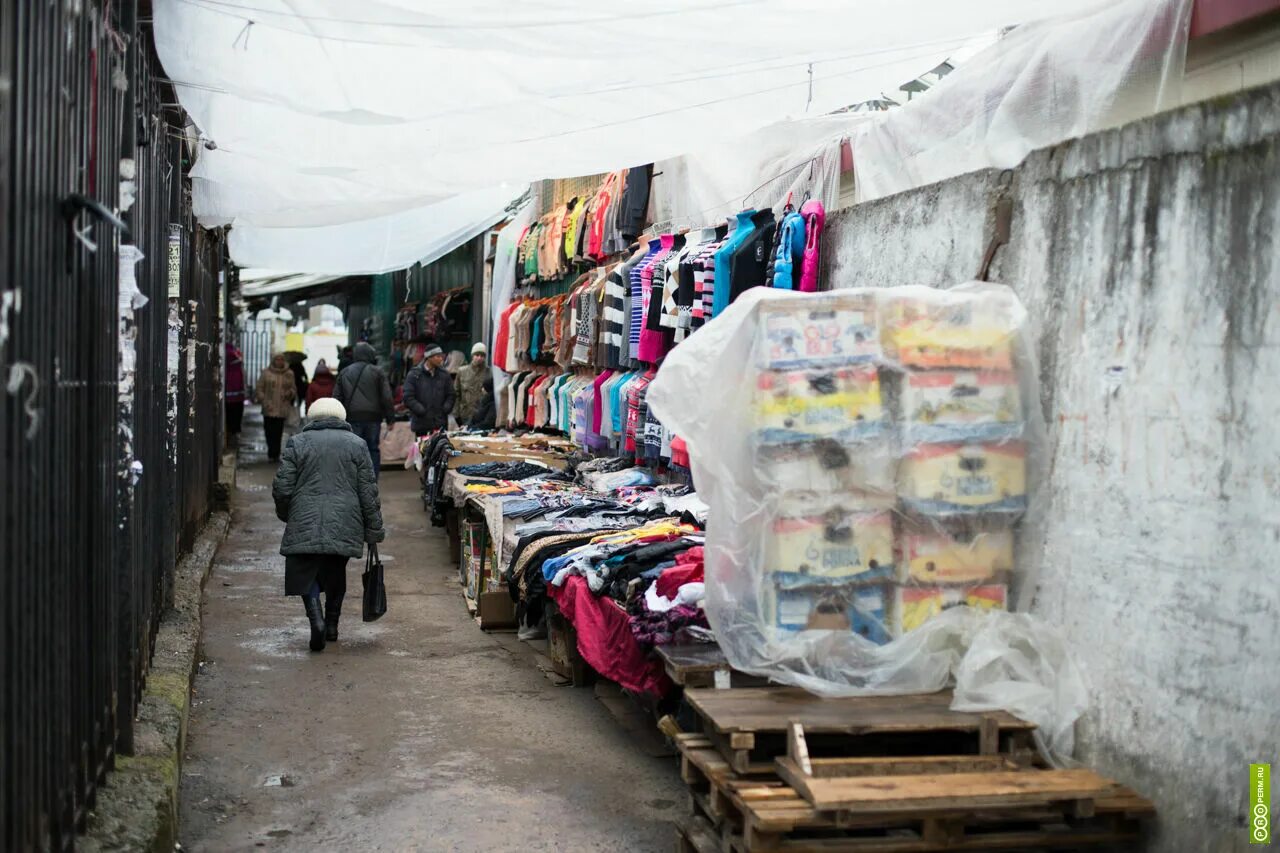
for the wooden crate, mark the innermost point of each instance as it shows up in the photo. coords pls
(749, 726)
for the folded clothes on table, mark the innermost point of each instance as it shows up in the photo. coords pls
(514, 470)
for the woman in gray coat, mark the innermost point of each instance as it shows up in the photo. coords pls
(327, 495)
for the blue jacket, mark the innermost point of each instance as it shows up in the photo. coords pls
(790, 251)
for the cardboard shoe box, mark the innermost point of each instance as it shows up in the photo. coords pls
(834, 329)
(915, 605)
(934, 554)
(960, 405)
(807, 405)
(861, 610)
(835, 545)
(958, 479)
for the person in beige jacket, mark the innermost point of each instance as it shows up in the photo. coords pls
(276, 393)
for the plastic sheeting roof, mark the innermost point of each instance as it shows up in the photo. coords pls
(255, 282)
(363, 137)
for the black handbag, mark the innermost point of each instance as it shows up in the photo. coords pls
(375, 591)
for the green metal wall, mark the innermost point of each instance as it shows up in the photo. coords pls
(419, 284)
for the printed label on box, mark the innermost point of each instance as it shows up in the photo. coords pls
(959, 405)
(949, 479)
(974, 332)
(842, 330)
(834, 545)
(913, 606)
(859, 610)
(935, 555)
(805, 405)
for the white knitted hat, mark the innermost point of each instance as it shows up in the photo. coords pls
(327, 407)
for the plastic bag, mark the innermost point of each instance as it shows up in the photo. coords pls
(872, 459)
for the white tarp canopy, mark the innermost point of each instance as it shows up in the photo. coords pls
(349, 138)
(259, 282)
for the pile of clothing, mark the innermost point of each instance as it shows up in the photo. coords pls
(669, 610)
(436, 452)
(611, 561)
(513, 470)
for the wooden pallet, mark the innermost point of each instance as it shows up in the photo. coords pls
(696, 834)
(749, 726)
(751, 814)
(703, 665)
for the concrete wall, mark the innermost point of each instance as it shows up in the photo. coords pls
(1150, 259)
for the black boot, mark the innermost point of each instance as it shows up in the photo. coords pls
(316, 617)
(332, 612)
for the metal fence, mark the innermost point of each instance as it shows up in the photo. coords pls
(255, 347)
(88, 538)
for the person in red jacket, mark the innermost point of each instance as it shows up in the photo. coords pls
(322, 384)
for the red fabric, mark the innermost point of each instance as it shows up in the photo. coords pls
(530, 418)
(501, 336)
(688, 569)
(605, 640)
(679, 452)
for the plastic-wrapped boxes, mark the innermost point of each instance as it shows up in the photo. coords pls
(896, 417)
(807, 334)
(839, 544)
(869, 456)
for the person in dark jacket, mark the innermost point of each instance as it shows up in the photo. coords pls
(485, 415)
(327, 495)
(345, 357)
(428, 393)
(299, 375)
(364, 391)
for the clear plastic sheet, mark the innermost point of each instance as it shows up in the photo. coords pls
(1044, 82)
(872, 459)
(339, 125)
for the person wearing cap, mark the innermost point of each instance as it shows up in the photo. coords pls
(428, 393)
(470, 384)
(327, 495)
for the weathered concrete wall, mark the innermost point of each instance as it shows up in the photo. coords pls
(934, 234)
(1149, 257)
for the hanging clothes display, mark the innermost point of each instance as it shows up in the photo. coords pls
(585, 230)
(600, 304)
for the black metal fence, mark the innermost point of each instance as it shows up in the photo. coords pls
(105, 472)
